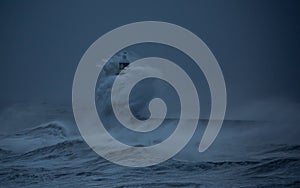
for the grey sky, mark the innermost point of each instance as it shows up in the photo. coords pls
(257, 43)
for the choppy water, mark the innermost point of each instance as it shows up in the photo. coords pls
(50, 155)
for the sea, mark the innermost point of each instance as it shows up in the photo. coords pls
(53, 154)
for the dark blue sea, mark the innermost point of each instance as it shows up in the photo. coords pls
(53, 154)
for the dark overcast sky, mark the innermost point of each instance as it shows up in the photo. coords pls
(257, 43)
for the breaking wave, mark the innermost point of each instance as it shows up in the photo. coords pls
(52, 153)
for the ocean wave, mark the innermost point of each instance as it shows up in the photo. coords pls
(51, 154)
(276, 166)
(54, 128)
(37, 137)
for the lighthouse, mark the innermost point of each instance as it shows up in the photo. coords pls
(124, 62)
